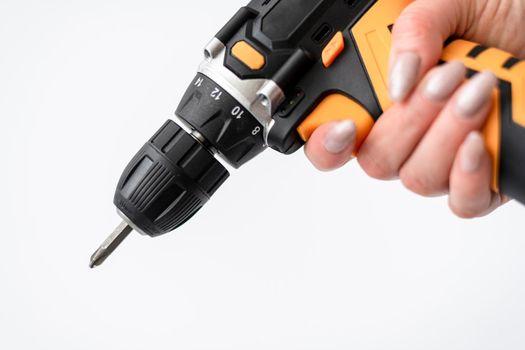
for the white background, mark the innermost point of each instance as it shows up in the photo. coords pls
(282, 257)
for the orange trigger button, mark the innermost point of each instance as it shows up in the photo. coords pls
(338, 107)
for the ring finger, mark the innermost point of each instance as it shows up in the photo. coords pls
(427, 170)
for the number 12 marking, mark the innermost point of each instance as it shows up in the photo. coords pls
(216, 94)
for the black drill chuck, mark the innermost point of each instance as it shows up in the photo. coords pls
(168, 181)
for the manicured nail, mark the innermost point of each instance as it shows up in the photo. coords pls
(476, 94)
(403, 76)
(340, 137)
(472, 153)
(444, 81)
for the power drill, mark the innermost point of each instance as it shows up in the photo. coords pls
(274, 73)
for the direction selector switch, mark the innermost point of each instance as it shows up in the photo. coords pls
(248, 55)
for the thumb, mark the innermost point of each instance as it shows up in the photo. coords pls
(332, 145)
(417, 41)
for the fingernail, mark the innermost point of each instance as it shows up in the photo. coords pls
(475, 94)
(444, 81)
(340, 137)
(472, 153)
(403, 76)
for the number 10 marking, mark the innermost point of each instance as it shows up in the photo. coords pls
(237, 112)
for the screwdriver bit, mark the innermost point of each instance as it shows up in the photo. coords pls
(110, 244)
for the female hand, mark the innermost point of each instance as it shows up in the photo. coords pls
(430, 137)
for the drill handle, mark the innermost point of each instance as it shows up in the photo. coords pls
(504, 131)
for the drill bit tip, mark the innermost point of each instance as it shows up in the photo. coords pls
(97, 258)
(110, 244)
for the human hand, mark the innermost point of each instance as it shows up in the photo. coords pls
(430, 137)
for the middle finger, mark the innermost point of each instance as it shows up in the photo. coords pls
(400, 129)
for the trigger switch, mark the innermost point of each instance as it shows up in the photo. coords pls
(338, 107)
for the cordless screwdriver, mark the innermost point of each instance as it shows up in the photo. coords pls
(273, 74)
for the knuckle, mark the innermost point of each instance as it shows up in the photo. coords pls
(472, 206)
(376, 168)
(414, 22)
(421, 184)
(463, 212)
(413, 117)
(324, 167)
